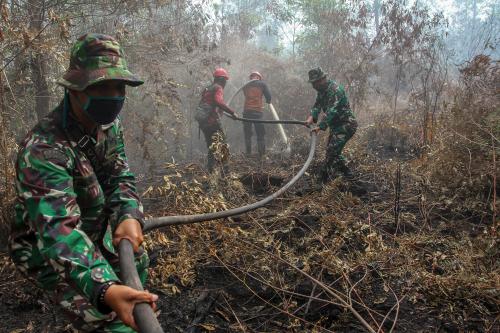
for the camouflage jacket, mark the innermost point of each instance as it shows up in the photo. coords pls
(333, 102)
(65, 211)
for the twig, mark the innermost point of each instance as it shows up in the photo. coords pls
(312, 293)
(380, 329)
(397, 197)
(10, 88)
(396, 305)
(471, 141)
(234, 314)
(470, 164)
(311, 297)
(321, 284)
(353, 288)
(312, 231)
(28, 45)
(293, 293)
(494, 186)
(481, 128)
(397, 314)
(262, 299)
(202, 313)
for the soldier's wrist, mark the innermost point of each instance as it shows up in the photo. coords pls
(102, 307)
(138, 217)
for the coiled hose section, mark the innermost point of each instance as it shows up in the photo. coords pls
(143, 313)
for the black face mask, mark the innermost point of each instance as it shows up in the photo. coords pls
(320, 87)
(103, 110)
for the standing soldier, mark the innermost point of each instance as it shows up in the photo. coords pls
(77, 197)
(254, 91)
(332, 100)
(209, 113)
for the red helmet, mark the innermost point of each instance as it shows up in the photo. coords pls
(221, 72)
(256, 73)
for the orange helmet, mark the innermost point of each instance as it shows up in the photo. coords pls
(221, 72)
(256, 73)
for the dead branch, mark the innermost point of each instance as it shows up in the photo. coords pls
(322, 285)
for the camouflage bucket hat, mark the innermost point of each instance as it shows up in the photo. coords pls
(96, 58)
(316, 74)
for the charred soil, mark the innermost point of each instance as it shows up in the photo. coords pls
(382, 246)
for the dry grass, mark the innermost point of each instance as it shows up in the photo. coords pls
(338, 250)
(410, 244)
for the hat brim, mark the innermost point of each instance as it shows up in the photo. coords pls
(79, 80)
(322, 77)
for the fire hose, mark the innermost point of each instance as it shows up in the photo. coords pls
(265, 121)
(276, 121)
(143, 313)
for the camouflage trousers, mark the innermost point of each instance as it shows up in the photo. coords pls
(84, 317)
(335, 162)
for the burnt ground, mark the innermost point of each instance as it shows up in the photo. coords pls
(408, 264)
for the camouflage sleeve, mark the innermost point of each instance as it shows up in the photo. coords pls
(316, 109)
(343, 102)
(333, 111)
(45, 185)
(122, 200)
(331, 114)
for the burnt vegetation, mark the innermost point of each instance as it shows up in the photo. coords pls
(409, 244)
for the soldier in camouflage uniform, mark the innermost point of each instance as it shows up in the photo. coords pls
(77, 196)
(332, 100)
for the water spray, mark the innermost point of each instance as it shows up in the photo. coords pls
(288, 149)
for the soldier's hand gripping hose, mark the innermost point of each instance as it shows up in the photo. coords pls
(122, 300)
(144, 316)
(315, 129)
(309, 120)
(129, 229)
